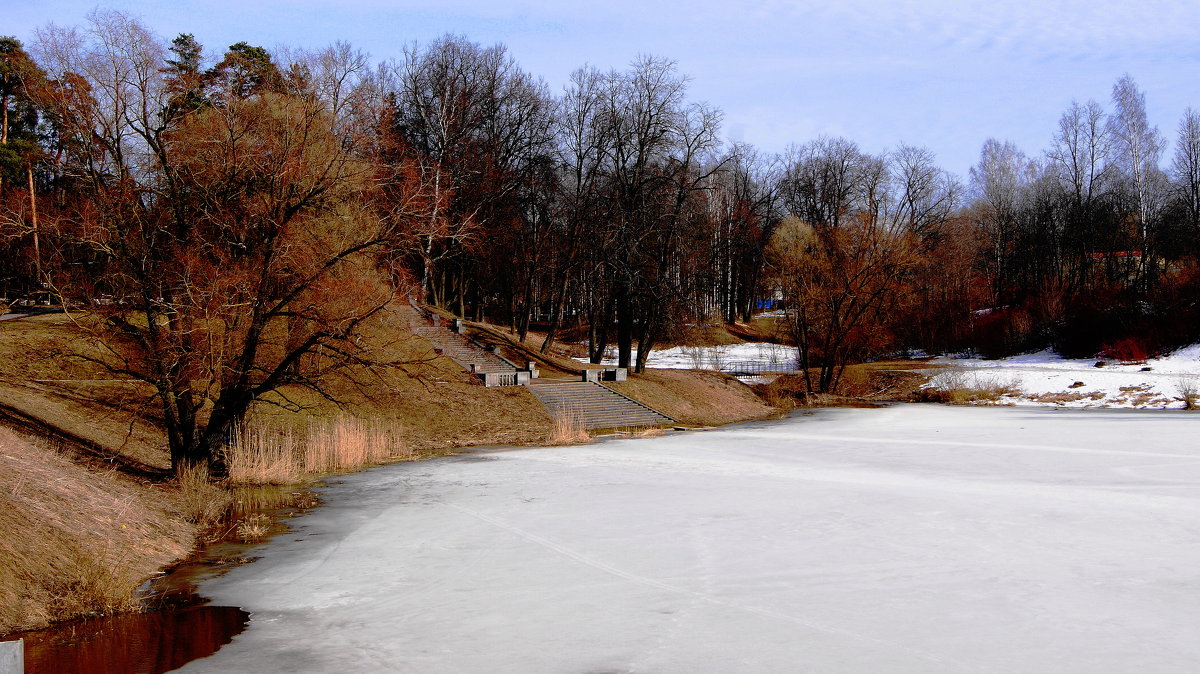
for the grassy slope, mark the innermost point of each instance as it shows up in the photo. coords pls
(74, 540)
(63, 551)
(77, 535)
(695, 398)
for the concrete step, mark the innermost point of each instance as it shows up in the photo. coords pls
(462, 350)
(596, 405)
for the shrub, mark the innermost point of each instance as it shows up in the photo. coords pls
(1003, 332)
(1127, 350)
(1188, 388)
(958, 387)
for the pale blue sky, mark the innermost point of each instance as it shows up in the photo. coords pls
(945, 75)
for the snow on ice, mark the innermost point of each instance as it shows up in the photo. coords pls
(916, 538)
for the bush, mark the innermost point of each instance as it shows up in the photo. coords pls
(1003, 332)
(1189, 391)
(959, 387)
(1127, 350)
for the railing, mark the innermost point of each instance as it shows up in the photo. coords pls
(519, 377)
(749, 368)
(502, 378)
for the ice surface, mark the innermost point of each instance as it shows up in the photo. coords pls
(907, 539)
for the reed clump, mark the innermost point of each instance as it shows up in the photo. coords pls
(200, 501)
(568, 429)
(266, 453)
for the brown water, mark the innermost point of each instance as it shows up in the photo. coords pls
(179, 627)
(139, 643)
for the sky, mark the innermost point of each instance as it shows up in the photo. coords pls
(941, 74)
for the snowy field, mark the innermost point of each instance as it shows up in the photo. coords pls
(713, 357)
(916, 538)
(736, 358)
(1046, 379)
(1041, 378)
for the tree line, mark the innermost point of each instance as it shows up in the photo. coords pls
(234, 223)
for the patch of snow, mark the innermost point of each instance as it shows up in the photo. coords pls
(715, 357)
(1045, 378)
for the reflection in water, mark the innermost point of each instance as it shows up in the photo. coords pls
(140, 643)
(177, 630)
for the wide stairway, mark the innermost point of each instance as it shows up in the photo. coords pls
(594, 404)
(462, 350)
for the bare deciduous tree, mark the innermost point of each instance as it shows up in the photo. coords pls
(230, 238)
(1186, 167)
(838, 283)
(1136, 148)
(927, 195)
(999, 182)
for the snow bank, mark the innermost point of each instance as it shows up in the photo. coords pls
(1044, 378)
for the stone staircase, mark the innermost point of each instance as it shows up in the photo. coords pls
(596, 405)
(463, 351)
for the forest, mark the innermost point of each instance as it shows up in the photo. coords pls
(229, 222)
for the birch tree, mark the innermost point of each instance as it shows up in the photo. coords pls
(1136, 147)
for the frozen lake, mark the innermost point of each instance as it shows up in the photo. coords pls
(907, 539)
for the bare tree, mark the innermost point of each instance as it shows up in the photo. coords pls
(478, 126)
(819, 186)
(927, 195)
(1186, 167)
(838, 283)
(582, 137)
(744, 209)
(1136, 149)
(1080, 149)
(231, 237)
(999, 182)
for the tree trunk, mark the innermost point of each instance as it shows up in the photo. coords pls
(624, 328)
(37, 246)
(556, 313)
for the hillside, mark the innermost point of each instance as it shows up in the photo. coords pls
(75, 540)
(86, 511)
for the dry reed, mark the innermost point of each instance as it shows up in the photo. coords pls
(568, 428)
(200, 501)
(1189, 391)
(274, 454)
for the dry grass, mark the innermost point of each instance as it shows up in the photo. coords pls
(861, 385)
(256, 527)
(270, 453)
(960, 387)
(1188, 389)
(1060, 398)
(648, 432)
(76, 542)
(568, 429)
(40, 376)
(201, 502)
(695, 398)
